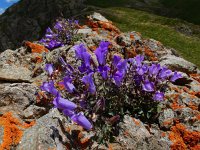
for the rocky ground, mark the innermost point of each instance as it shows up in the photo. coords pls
(26, 123)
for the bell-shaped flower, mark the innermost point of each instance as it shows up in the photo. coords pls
(139, 59)
(142, 69)
(154, 69)
(49, 36)
(158, 96)
(148, 86)
(68, 112)
(62, 103)
(165, 73)
(67, 81)
(88, 80)
(118, 77)
(101, 52)
(49, 87)
(49, 31)
(175, 76)
(86, 58)
(49, 68)
(103, 70)
(122, 66)
(116, 60)
(79, 50)
(82, 120)
(58, 26)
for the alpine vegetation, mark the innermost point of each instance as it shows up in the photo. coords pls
(64, 32)
(97, 96)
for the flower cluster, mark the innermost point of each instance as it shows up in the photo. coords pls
(108, 89)
(62, 33)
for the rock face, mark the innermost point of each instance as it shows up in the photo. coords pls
(28, 19)
(21, 74)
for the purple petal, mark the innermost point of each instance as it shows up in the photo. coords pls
(49, 68)
(68, 84)
(122, 66)
(88, 80)
(62, 103)
(48, 30)
(139, 59)
(49, 87)
(154, 69)
(68, 112)
(175, 76)
(58, 26)
(86, 58)
(103, 70)
(165, 73)
(101, 52)
(82, 121)
(142, 69)
(158, 96)
(148, 86)
(118, 77)
(79, 50)
(116, 60)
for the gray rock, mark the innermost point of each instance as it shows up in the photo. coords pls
(98, 17)
(134, 135)
(178, 63)
(17, 97)
(33, 112)
(166, 118)
(85, 31)
(45, 134)
(12, 68)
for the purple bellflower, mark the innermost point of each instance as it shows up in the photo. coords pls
(116, 60)
(118, 77)
(49, 68)
(67, 81)
(88, 80)
(175, 76)
(148, 86)
(63, 104)
(158, 96)
(79, 50)
(49, 87)
(122, 66)
(142, 69)
(165, 73)
(82, 54)
(139, 59)
(101, 52)
(82, 120)
(103, 70)
(154, 69)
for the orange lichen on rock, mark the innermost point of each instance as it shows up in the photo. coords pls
(183, 139)
(107, 25)
(192, 106)
(175, 104)
(12, 130)
(196, 77)
(35, 48)
(148, 52)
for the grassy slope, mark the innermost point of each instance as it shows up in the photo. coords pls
(152, 26)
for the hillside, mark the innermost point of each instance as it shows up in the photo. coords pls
(175, 33)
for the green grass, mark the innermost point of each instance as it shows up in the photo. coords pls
(156, 27)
